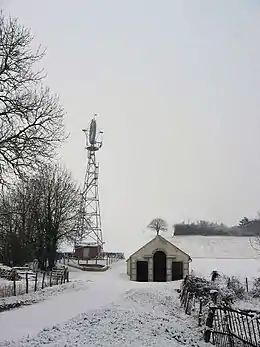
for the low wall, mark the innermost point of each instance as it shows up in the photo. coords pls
(90, 268)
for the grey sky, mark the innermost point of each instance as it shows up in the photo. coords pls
(176, 84)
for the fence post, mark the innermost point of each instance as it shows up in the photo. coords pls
(183, 293)
(200, 312)
(50, 279)
(186, 298)
(209, 323)
(246, 285)
(26, 284)
(43, 279)
(189, 303)
(35, 284)
(14, 286)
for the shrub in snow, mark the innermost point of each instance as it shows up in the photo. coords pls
(9, 274)
(226, 296)
(223, 290)
(200, 288)
(255, 292)
(235, 286)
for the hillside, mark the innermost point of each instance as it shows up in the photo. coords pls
(196, 246)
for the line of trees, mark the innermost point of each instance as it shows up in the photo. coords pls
(39, 199)
(245, 227)
(36, 215)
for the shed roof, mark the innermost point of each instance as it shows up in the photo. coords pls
(167, 241)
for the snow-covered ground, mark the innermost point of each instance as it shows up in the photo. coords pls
(106, 309)
(77, 282)
(109, 311)
(219, 247)
(242, 268)
(7, 286)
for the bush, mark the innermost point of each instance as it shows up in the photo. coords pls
(235, 285)
(255, 292)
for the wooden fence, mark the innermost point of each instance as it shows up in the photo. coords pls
(224, 326)
(38, 281)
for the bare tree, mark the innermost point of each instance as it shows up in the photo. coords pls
(56, 209)
(158, 224)
(17, 234)
(31, 118)
(36, 215)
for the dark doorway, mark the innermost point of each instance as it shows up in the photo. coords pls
(159, 267)
(142, 271)
(177, 270)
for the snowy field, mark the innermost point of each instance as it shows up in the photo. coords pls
(227, 247)
(218, 247)
(242, 268)
(109, 311)
(233, 256)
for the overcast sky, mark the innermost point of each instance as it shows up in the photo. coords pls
(176, 85)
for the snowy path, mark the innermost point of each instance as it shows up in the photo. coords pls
(111, 311)
(31, 319)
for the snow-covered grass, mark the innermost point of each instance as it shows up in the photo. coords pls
(242, 268)
(77, 282)
(218, 247)
(141, 317)
(43, 281)
(110, 311)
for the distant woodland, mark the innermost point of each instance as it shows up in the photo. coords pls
(245, 227)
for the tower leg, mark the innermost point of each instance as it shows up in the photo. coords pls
(89, 226)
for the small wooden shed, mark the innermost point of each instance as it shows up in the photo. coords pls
(158, 261)
(87, 251)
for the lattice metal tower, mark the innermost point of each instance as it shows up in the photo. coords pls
(89, 222)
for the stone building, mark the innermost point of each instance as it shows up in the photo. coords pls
(158, 261)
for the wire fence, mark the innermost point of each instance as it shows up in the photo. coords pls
(32, 282)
